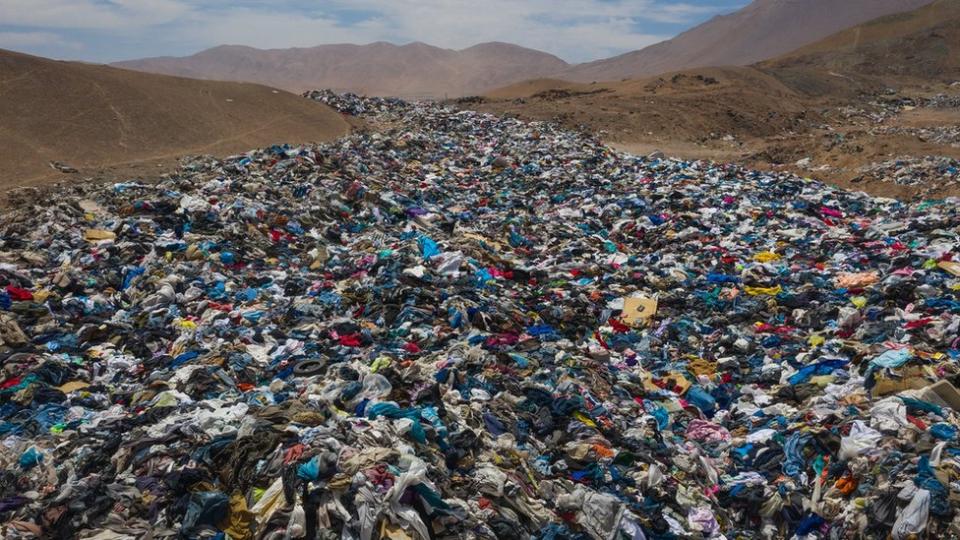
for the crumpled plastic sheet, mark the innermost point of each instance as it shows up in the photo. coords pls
(419, 333)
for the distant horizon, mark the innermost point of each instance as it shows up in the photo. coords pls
(576, 31)
(344, 44)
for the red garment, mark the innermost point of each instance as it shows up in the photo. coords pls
(917, 422)
(831, 212)
(618, 326)
(599, 339)
(919, 323)
(350, 340)
(294, 453)
(18, 294)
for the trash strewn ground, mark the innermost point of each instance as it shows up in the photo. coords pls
(473, 327)
(930, 170)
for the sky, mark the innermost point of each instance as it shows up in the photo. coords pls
(112, 30)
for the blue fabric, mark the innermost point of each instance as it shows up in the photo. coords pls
(722, 278)
(820, 368)
(541, 330)
(701, 399)
(130, 275)
(943, 431)
(493, 424)
(184, 358)
(431, 415)
(925, 479)
(916, 405)
(30, 459)
(309, 470)
(657, 411)
(521, 361)
(428, 248)
(891, 359)
(390, 410)
(810, 524)
(794, 463)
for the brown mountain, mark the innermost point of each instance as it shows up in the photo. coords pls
(95, 116)
(919, 46)
(413, 70)
(763, 29)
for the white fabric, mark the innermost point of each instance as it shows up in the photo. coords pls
(913, 518)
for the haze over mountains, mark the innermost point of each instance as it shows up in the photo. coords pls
(413, 70)
(763, 29)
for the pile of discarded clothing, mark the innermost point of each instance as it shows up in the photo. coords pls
(474, 327)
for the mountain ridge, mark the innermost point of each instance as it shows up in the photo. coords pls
(413, 69)
(761, 30)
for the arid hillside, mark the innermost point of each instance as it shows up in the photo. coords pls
(89, 116)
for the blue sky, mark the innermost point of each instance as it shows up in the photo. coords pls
(110, 30)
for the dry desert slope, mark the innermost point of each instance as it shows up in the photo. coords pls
(90, 116)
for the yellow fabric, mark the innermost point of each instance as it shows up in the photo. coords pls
(271, 501)
(71, 386)
(757, 291)
(699, 366)
(98, 234)
(390, 531)
(766, 256)
(239, 522)
(584, 418)
(951, 267)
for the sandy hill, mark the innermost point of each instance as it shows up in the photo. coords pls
(413, 70)
(763, 29)
(94, 116)
(686, 105)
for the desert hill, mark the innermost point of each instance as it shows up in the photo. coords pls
(93, 116)
(919, 46)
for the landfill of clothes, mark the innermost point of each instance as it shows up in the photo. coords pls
(469, 327)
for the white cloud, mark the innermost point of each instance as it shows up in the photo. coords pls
(575, 29)
(261, 29)
(90, 14)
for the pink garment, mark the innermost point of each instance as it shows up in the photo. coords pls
(702, 430)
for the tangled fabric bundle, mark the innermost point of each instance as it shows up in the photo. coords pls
(473, 327)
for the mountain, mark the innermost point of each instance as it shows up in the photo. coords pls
(923, 45)
(763, 29)
(413, 70)
(95, 116)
